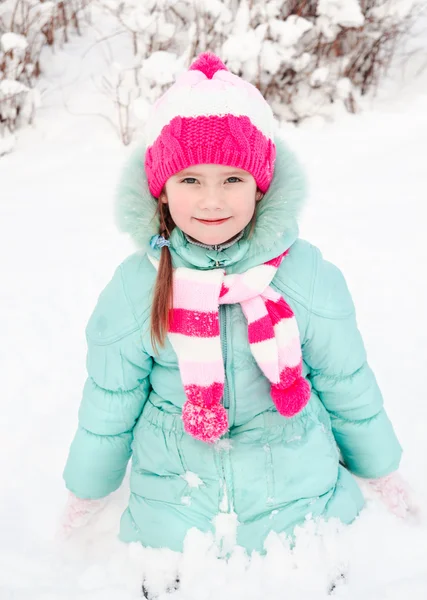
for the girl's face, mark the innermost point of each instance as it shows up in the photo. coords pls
(211, 203)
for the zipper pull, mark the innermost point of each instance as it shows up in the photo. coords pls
(215, 262)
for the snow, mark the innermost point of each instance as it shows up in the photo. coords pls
(223, 444)
(319, 76)
(161, 67)
(343, 87)
(243, 17)
(215, 8)
(244, 49)
(59, 247)
(226, 524)
(341, 12)
(7, 144)
(290, 31)
(13, 41)
(327, 27)
(397, 9)
(192, 479)
(10, 87)
(302, 61)
(271, 57)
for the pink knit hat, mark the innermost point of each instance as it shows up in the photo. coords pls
(210, 116)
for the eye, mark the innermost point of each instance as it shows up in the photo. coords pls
(236, 179)
(190, 180)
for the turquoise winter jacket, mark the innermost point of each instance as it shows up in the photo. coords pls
(269, 472)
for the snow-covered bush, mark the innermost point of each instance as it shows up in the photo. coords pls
(307, 57)
(25, 27)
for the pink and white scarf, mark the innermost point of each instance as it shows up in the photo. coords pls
(194, 333)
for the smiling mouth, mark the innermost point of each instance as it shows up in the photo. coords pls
(213, 221)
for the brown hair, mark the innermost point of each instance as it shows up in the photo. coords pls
(163, 291)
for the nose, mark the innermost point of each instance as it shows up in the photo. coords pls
(211, 198)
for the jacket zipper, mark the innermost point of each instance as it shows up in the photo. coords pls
(223, 334)
(226, 503)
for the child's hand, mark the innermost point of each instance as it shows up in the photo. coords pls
(396, 494)
(78, 512)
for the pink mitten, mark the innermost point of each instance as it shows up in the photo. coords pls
(78, 512)
(395, 493)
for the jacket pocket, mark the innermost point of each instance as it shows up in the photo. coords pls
(301, 458)
(278, 461)
(158, 471)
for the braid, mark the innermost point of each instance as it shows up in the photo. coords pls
(163, 291)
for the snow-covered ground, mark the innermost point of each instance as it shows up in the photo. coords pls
(59, 247)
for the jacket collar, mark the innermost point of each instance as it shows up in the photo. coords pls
(215, 247)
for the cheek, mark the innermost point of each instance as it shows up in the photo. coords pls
(245, 207)
(180, 206)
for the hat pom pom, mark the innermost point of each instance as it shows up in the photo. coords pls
(208, 63)
(205, 424)
(291, 400)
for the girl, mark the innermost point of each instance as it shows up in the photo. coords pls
(224, 355)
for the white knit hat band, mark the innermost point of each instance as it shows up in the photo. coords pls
(224, 94)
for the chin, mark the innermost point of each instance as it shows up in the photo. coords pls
(213, 234)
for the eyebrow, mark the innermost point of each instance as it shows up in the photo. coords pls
(229, 173)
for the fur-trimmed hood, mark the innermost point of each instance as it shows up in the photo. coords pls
(276, 220)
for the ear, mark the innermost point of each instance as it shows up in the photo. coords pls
(163, 198)
(258, 196)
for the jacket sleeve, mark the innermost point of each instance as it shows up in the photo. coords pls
(116, 389)
(339, 372)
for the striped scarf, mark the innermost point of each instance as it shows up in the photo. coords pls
(194, 332)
